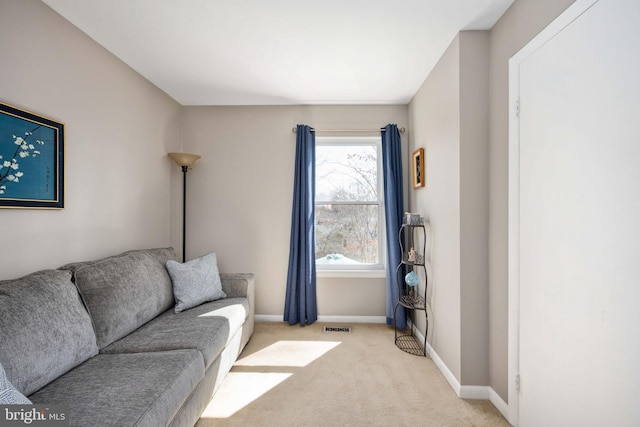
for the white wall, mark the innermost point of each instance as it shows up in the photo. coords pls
(118, 128)
(240, 196)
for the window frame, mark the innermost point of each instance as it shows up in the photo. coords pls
(366, 270)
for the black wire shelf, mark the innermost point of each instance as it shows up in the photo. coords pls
(409, 344)
(415, 302)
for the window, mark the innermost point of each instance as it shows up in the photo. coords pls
(349, 215)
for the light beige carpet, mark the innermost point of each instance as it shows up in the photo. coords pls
(302, 376)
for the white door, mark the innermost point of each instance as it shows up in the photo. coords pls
(579, 222)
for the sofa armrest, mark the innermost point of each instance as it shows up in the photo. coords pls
(241, 285)
(237, 284)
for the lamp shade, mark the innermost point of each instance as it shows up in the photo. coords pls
(184, 159)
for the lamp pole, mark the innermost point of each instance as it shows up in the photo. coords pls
(184, 160)
(184, 212)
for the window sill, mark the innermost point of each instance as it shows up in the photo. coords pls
(352, 273)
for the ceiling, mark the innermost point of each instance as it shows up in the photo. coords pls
(278, 52)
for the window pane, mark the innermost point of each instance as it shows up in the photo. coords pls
(346, 234)
(346, 173)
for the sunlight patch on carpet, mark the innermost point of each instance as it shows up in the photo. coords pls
(239, 389)
(288, 353)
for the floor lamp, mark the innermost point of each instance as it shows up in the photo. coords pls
(184, 160)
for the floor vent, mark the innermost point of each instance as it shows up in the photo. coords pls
(337, 329)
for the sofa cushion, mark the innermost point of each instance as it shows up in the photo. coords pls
(123, 292)
(195, 282)
(145, 389)
(9, 395)
(44, 329)
(161, 254)
(207, 328)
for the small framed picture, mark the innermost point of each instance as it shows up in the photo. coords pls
(31, 160)
(417, 163)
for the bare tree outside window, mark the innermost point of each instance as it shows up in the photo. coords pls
(348, 206)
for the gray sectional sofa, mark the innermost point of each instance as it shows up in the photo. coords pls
(102, 336)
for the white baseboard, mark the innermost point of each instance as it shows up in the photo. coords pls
(500, 404)
(463, 391)
(327, 319)
(269, 318)
(479, 392)
(352, 319)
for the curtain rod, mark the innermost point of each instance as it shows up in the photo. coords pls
(402, 129)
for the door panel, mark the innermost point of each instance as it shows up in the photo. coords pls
(580, 222)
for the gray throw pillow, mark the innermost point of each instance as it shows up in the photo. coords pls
(195, 282)
(9, 395)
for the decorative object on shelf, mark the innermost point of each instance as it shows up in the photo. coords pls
(417, 163)
(185, 161)
(411, 256)
(412, 279)
(412, 218)
(31, 160)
